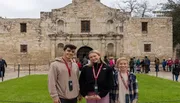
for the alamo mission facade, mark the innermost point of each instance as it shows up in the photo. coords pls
(88, 24)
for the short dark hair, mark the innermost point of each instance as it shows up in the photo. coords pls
(72, 47)
(105, 57)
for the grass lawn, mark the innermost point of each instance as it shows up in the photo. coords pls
(153, 89)
(34, 89)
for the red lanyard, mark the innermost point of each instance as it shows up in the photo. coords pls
(96, 76)
(125, 84)
(69, 70)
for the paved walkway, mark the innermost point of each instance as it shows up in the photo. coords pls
(14, 74)
(10, 74)
(163, 74)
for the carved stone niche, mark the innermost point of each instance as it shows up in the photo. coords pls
(60, 26)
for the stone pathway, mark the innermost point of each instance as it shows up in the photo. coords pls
(163, 74)
(14, 74)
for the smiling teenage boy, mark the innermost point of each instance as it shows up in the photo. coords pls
(63, 77)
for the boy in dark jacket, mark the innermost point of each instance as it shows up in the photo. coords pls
(131, 65)
(3, 64)
(176, 71)
(164, 63)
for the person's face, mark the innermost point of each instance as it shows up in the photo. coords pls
(69, 53)
(94, 58)
(123, 65)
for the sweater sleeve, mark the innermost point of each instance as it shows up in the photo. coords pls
(82, 82)
(110, 82)
(52, 78)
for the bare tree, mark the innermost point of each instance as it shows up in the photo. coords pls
(143, 8)
(135, 8)
(127, 5)
(172, 2)
(173, 8)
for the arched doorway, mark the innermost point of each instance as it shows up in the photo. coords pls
(83, 51)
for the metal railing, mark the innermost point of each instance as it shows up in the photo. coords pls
(19, 70)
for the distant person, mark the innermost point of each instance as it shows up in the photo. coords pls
(111, 62)
(176, 61)
(63, 77)
(176, 70)
(169, 64)
(147, 64)
(134, 59)
(106, 60)
(138, 63)
(85, 60)
(142, 66)
(164, 63)
(131, 65)
(157, 62)
(3, 65)
(79, 63)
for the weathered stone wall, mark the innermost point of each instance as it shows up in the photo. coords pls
(159, 36)
(11, 40)
(63, 25)
(96, 12)
(92, 10)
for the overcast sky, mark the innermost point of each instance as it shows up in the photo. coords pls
(32, 8)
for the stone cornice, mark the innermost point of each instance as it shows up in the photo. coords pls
(63, 34)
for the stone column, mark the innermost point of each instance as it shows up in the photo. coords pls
(121, 46)
(117, 44)
(53, 49)
(103, 49)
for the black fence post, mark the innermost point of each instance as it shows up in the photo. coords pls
(18, 70)
(156, 73)
(29, 69)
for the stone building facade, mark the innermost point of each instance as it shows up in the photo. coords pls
(88, 24)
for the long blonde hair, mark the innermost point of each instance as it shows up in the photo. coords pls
(99, 54)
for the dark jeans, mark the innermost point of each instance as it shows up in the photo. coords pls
(176, 77)
(164, 68)
(2, 73)
(68, 100)
(147, 69)
(170, 67)
(157, 68)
